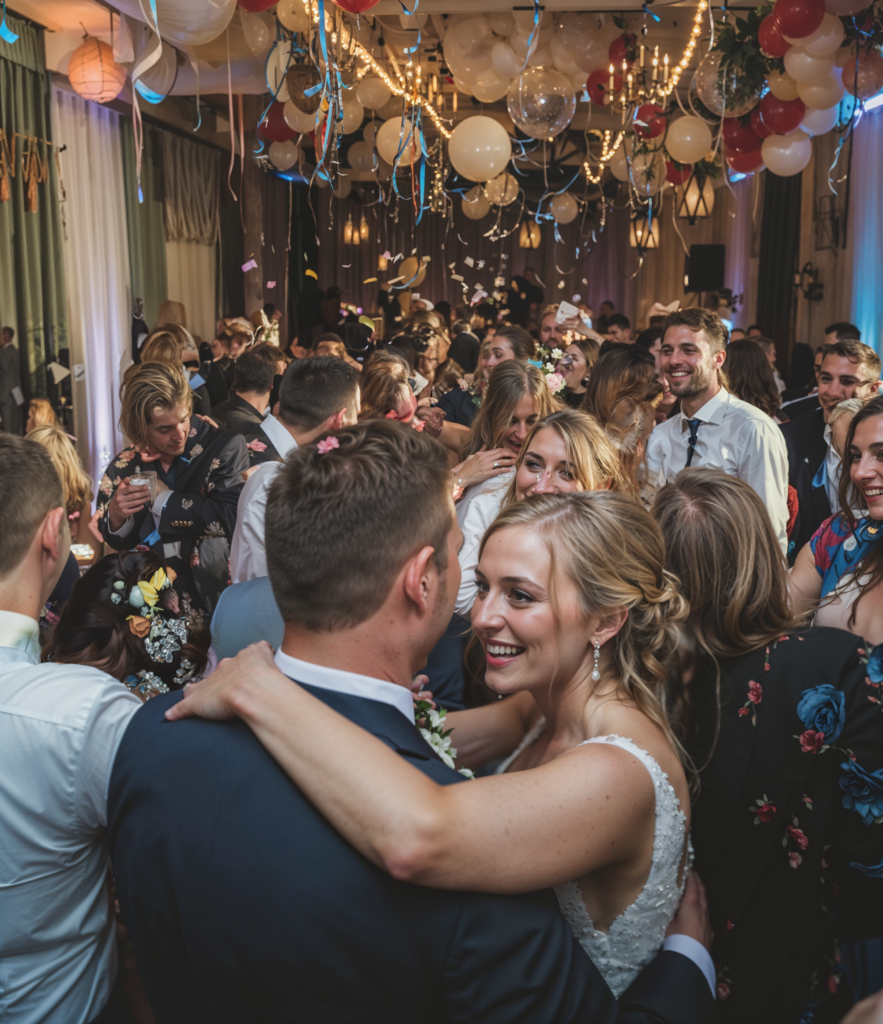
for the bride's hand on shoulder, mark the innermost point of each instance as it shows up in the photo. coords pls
(692, 917)
(230, 689)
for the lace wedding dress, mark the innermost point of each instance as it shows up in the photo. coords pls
(637, 934)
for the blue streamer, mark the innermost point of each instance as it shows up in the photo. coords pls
(656, 17)
(6, 33)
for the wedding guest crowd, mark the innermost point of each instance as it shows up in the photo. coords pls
(527, 718)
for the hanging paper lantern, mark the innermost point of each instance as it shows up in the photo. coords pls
(770, 38)
(740, 137)
(783, 116)
(758, 127)
(744, 163)
(798, 18)
(93, 72)
(274, 126)
(253, 6)
(649, 121)
(677, 174)
(355, 6)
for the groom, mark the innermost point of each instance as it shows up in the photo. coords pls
(242, 902)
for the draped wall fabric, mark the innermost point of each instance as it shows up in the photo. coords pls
(32, 296)
(192, 279)
(97, 269)
(779, 248)
(866, 228)
(191, 187)
(145, 220)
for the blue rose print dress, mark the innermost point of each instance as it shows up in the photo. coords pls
(788, 826)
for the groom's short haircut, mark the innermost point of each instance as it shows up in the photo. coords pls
(29, 489)
(342, 521)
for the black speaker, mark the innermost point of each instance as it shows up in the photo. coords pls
(704, 271)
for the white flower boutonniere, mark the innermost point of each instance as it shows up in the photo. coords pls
(431, 725)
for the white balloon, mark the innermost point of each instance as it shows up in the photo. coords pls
(502, 190)
(296, 119)
(619, 165)
(782, 85)
(578, 81)
(474, 204)
(257, 30)
(283, 154)
(524, 20)
(344, 187)
(467, 47)
(192, 22)
(817, 122)
(522, 44)
(412, 22)
(461, 86)
(541, 57)
(803, 67)
(479, 148)
(372, 93)
(277, 67)
(360, 157)
(787, 155)
(353, 114)
(562, 58)
(393, 135)
(688, 139)
(821, 95)
(293, 15)
(578, 35)
(501, 23)
(564, 208)
(504, 60)
(369, 131)
(491, 91)
(824, 41)
(647, 172)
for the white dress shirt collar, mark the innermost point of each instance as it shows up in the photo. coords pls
(20, 633)
(283, 442)
(347, 682)
(712, 412)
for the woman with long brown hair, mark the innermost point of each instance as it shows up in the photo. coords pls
(750, 376)
(789, 749)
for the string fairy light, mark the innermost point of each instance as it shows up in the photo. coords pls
(684, 62)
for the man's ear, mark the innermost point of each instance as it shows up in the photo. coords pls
(336, 421)
(418, 577)
(52, 532)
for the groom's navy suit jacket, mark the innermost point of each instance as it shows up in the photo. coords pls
(245, 906)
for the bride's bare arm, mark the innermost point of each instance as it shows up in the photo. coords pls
(505, 834)
(487, 733)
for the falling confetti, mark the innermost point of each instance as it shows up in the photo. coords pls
(480, 264)
(346, 266)
(251, 265)
(560, 284)
(271, 284)
(463, 240)
(577, 297)
(456, 277)
(369, 280)
(469, 261)
(311, 273)
(499, 282)
(387, 255)
(585, 281)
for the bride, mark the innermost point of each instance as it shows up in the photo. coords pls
(577, 618)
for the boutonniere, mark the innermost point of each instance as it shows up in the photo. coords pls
(431, 726)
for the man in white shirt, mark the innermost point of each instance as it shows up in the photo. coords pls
(60, 726)
(317, 395)
(714, 428)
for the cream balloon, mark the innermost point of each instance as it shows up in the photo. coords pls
(502, 190)
(373, 93)
(474, 205)
(821, 95)
(293, 15)
(297, 120)
(277, 68)
(787, 155)
(522, 44)
(618, 164)
(283, 154)
(782, 85)
(688, 140)
(524, 20)
(192, 22)
(479, 148)
(563, 208)
(501, 23)
(562, 58)
(803, 67)
(257, 31)
(413, 271)
(369, 131)
(360, 157)
(462, 86)
(353, 114)
(818, 122)
(491, 91)
(541, 57)
(344, 187)
(844, 8)
(826, 39)
(504, 60)
(392, 136)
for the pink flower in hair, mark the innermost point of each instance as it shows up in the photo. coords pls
(392, 415)
(327, 445)
(256, 446)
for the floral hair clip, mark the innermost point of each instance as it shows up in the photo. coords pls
(326, 445)
(392, 415)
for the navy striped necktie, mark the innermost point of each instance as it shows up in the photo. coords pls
(691, 444)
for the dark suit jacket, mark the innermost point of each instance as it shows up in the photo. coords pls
(805, 438)
(237, 415)
(790, 862)
(458, 407)
(243, 903)
(794, 410)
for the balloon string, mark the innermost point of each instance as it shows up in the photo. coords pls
(232, 122)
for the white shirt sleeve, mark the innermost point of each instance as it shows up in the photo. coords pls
(479, 514)
(763, 465)
(112, 708)
(248, 555)
(695, 951)
(124, 530)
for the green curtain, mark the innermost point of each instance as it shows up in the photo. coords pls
(32, 293)
(147, 239)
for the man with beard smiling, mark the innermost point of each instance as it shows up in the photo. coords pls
(714, 428)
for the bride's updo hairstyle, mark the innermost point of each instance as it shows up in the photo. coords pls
(613, 553)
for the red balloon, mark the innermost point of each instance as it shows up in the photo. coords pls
(650, 115)
(770, 38)
(744, 163)
(798, 18)
(617, 52)
(738, 136)
(359, 6)
(758, 127)
(782, 116)
(253, 6)
(597, 86)
(274, 127)
(677, 174)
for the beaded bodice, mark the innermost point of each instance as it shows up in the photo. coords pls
(637, 934)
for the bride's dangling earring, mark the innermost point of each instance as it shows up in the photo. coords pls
(596, 675)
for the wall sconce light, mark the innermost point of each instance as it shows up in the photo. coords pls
(348, 231)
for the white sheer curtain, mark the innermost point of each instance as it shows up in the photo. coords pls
(96, 263)
(866, 227)
(193, 281)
